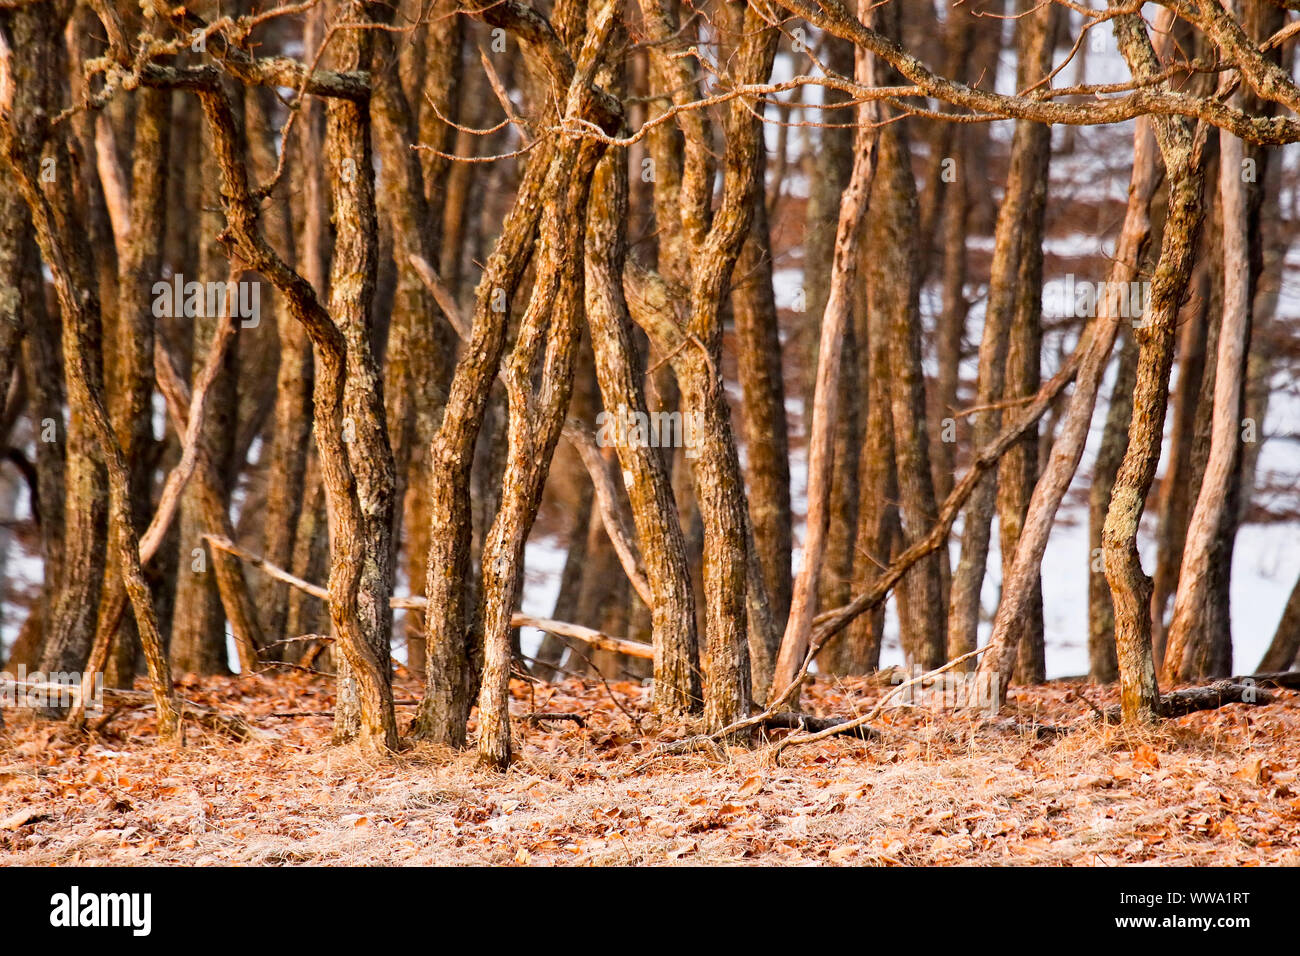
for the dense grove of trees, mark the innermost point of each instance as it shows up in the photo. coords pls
(311, 314)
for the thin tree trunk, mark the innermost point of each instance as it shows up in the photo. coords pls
(767, 444)
(835, 583)
(1018, 590)
(879, 530)
(831, 169)
(1014, 288)
(1018, 470)
(825, 413)
(1103, 667)
(548, 332)
(449, 681)
(365, 435)
(654, 512)
(1185, 461)
(893, 291)
(1200, 643)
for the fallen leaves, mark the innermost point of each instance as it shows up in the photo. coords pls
(751, 786)
(1253, 771)
(1146, 758)
(936, 790)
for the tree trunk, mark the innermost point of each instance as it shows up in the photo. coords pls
(767, 446)
(1200, 643)
(825, 412)
(1185, 461)
(1018, 469)
(1018, 588)
(38, 52)
(548, 332)
(1007, 370)
(894, 292)
(645, 473)
(449, 681)
(878, 531)
(1103, 667)
(1129, 585)
(361, 713)
(66, 253)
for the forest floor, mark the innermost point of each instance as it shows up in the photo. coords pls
(1218, 787)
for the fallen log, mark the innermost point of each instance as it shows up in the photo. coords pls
(539, 718)
(791, 720)
(1180, 703)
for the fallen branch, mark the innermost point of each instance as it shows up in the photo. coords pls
(1246, 689)
(327, 713)
(596, 639)
(1288, 679)
(587, 635)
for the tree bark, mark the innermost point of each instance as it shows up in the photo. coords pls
(767, 445)
(1199, 643)
(1129, 585)
(825, 413)
(645, 473)
(1103, 668)
(893, 291)
(1005, 371)
(65, 251)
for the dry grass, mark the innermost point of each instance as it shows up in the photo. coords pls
(1212, 788)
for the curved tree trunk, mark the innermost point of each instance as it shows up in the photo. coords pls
(826, 397)
(548, 333)
(1130, 587)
